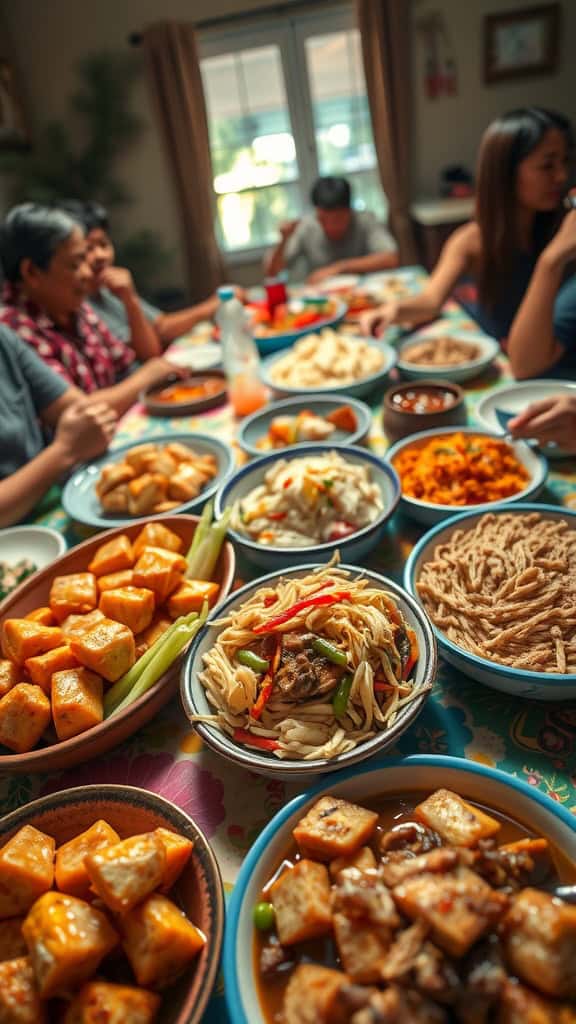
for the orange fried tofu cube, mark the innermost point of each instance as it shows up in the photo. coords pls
(122, 875)
(107, 649)
(24, 715)
(157, 627)
(76, 701)
(190, 596)
(181, 452)
(313, 996)
(159, 941)
(9, 675)
(137, 457)
(74, 594)
(362, 947)
(115, 580)
(457, 906)
(76, 625)
(19, 999)
(67, 939)
(521, 1005)
(42, 615)
(144, 492)
(187, 482)
(12, 943)
(113, 477)
(160, 571)
(540, 942)
(364, 860)
(70, 872)
(26, 870)
(178, 851)
(301, 899)
(134, 606)
(114, 556)
(155, 535)
(43, 666)
(101, 1001)
(334, 828)
(457, 822)
(23, 639)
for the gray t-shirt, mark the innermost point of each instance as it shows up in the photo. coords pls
(27, 387)
(113, 312)
(311, 249)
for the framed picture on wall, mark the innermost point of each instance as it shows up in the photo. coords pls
(521, 43)
(13, 133)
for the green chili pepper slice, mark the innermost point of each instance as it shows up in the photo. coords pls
(340, 699)
(252, 660)
(329, 651)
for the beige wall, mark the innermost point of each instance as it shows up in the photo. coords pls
(447, 130)
(50, 36)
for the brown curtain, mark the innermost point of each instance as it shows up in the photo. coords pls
(173, 70)
(386, 28)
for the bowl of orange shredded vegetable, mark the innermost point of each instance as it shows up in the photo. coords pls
(443, 471)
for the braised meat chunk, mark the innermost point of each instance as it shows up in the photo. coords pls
(313, 996)
(364, 921)
(520, 1005)
(303, 674)
(540, 943)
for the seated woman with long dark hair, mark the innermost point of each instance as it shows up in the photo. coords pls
(520, 182)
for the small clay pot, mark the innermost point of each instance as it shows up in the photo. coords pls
(400, 423)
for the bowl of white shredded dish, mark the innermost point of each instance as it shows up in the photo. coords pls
(329, 363)
(324, 498)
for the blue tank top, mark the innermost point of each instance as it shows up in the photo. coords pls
(498, 320)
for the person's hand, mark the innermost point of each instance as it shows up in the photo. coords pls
(375, 321)
(159, 369)
(119, 281)
(323, 273)
(287, 229)
(551, 420)
(562, 248)
(85, 430)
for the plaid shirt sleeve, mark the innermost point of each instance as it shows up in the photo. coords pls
(25, 328)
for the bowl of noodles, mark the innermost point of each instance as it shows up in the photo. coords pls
(500, 590)
(443, 471)
(306, 672)
(323, 497)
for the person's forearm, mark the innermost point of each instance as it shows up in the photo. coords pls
(121, 396)
(370, 264)
(24, 488)
(275, 261)
(532, 347)
(418, 309)
(143, 337)
(169, 326)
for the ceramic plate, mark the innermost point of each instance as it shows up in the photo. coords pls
(38, 543)
(195, 357)
(82, 505)
(516, 397)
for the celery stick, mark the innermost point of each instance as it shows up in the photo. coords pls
(201, 529)
(121, 688)
(164, 658)
(203, 561)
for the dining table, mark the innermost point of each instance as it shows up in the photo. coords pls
(532, 740)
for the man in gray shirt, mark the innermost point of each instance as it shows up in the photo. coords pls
(335, 239)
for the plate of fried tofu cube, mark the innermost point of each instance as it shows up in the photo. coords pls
(160, 476)
(111, 908)
(77, 627)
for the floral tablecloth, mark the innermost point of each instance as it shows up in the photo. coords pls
(531, 740)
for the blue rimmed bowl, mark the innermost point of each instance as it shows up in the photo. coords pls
(195, 702)
(357, 389)
(81, 503)
(518, 682)
(420, 775)
(254, 428)
(428, 513)
(267, 344)
(352, 548)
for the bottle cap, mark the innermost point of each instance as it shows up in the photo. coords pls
(225, 292)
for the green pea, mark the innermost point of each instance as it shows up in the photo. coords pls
(264, 917)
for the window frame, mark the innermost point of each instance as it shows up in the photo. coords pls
(289, 32)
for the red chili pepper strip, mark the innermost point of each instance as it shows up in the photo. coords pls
(316, 601)
(270, 600)
(267, 684)
(277, 516)
(261, 742)
(383, 687)
(414, 652)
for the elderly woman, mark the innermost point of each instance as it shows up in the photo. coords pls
(47, 279)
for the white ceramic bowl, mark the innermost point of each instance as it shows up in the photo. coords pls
(352, 548)
(514, 398)
(195, 702)
(420, 774)
(518, 682)
(356, 390)
(489, 349)
(429, 514)
(38, 543)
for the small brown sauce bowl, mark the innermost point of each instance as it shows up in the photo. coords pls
(401, 422)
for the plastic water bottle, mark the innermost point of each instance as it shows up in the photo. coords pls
(240, 356)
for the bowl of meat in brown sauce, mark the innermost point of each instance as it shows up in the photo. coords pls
(428, 891)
